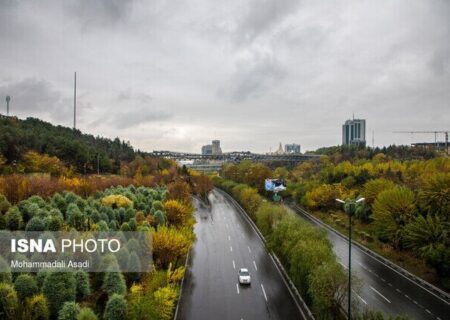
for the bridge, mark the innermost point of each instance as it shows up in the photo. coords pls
(237, 157)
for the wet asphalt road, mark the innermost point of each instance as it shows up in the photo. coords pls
(225, 243)
(385, 289)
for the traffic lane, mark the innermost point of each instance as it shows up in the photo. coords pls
(209, 294)
(211, 287)
(279, 301)
(383, 282)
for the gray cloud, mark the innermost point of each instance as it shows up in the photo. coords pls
(175, 74)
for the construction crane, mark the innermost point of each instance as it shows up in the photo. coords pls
(445, 132)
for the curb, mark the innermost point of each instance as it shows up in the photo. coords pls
(408, 275)
(301, 305)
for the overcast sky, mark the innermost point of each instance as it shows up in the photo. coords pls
(173, 75)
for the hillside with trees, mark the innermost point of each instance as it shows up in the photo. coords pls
(21, 140)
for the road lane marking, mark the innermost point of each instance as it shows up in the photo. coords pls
(226, 225)
(229, 238)
(380, 294)
(343, 265)
(428, 311)
(254, 263)
(249, 250)
(398, 290)
(264, 292)
(231, 248)
(360, 297)
(237, 288)
(234, 266)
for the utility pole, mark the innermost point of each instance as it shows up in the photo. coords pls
(75, 102)
(8, 98)
(350, 208)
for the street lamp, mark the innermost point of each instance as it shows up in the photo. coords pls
(349, 208)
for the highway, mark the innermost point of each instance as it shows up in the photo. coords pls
(383, 288)
(226, 242)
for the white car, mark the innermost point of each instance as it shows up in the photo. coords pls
(244, 276)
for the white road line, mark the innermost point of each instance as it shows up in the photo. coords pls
(415, 302)
(428, 311)
(249, 250)
(343, 265)
(380, 294)
(398, 290)
(254, 263)
(226, 225)
(229, 238)
(231, 248)
(234, 266)
(264, 292)
(360, 297)
(237, 288)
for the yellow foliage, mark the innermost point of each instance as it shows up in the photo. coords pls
(177, 213)
(165, 302)
(117, 201)
(170, 244)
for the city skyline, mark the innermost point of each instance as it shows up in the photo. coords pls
(167, 75)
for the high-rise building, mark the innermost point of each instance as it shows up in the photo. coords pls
(354, 132)
(213, 148)
(216, 147)
(292, 148)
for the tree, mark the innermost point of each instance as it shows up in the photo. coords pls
(180, 191)
(59, 287)
(83, 288)
(160, 218)
(327, 289)
(429, 238)
(177, 213)
(372, 188)
(35, 224)
(434, 197)
(13, 219)
(37, 308)
(8, 302)
(114, 283)
(116, 308)
(25, 286)
(86, 314)
(5, 276)
(267, 215)
(170, 244)
(69, 311)
(392, 210)
(165, 302)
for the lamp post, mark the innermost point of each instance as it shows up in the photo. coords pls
(349, 208)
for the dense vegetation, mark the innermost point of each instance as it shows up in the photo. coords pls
(165, 212)
(304, 251)
(64, 146)
(405, 216)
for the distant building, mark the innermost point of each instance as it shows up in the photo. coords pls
(212, 149)
(354, 132)
(207, 149)
(216, 147)
(292, 148)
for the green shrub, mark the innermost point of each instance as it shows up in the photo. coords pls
(69, 311)
(116, 308)
(59, 287)
(83, 288)
(25, 286)
(37, 308)
(8, 302)
(114, 283)
(87, 314)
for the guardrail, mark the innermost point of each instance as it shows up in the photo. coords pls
(408, 275)
(305, 311)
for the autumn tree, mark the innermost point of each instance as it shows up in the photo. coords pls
(392, 210)
(434, 197)
(169, 245)
(178, 213)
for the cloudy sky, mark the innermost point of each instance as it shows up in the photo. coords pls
(173, 75)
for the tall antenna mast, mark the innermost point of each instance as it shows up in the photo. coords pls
(75, 102)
